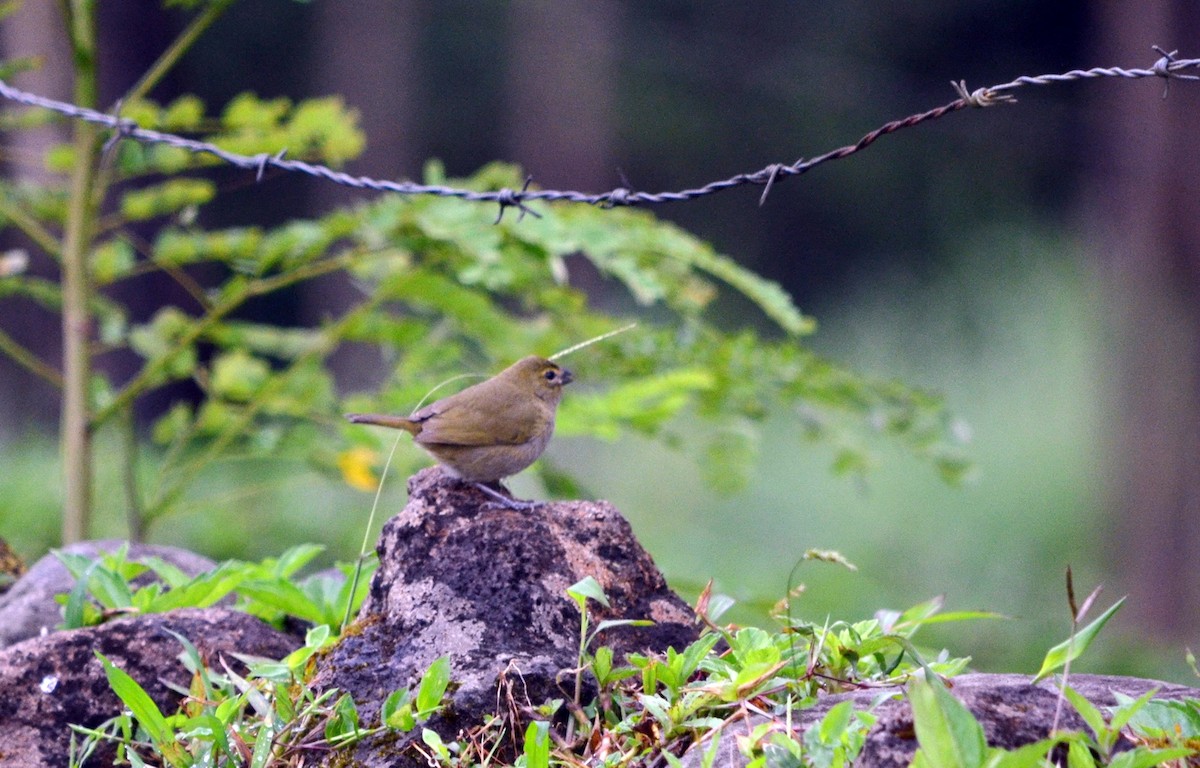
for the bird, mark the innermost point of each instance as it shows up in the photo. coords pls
(491, 430)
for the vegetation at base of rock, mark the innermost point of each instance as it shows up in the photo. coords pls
(735, 688)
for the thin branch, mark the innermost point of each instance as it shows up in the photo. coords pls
(29, 361)
(31, 227)
(176, 273)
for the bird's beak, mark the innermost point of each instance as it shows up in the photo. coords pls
(567, 376)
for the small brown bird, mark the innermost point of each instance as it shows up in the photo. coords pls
(491, 430)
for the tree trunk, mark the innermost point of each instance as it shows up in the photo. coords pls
(35, 30)
(1144, 206)
(370, 59)
(560, 91)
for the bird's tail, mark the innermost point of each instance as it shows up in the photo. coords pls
(384, 420)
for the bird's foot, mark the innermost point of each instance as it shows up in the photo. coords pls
(507, 502)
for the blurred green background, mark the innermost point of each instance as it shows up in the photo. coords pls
(1018, 260)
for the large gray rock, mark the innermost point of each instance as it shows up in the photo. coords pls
(487, 586)
(49, 683)
(28, 608)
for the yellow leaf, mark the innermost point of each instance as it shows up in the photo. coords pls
(356, 464)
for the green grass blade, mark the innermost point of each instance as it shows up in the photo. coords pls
(1072, 647)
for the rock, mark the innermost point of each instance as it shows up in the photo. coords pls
(487, 586)
(28, 608)
(1012, 710)
(49, 683)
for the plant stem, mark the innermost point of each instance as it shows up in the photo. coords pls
(76, 316)
(23, 220)
(29, 361)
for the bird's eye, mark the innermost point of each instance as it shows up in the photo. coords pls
(551, 375)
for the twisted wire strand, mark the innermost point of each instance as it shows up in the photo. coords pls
(1166, 67)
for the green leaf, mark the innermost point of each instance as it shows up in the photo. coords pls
(74, 613)
(1072, 647)
(237, 376)
(434, 742)
(172, 426)
(158, 342)
(1122, 714)
(111, 260)
(1088, 711)
(643, 404)
(752, 645)
(325, 128)
(343, 722)
(134, 696)
(203, 591)
(170, 574)
(191, 658)
(110, 589)
(265, 339)
(339, 605)
(264, 746)
(167, 198)
(948, 734)
(1079, 754)
(768, 295)
(183, 114)
(686, 663)
(433, 686)
(1143, 757)
(586, 589)
(397, 711)
(1027, 756)
(836, 720)
(284, 596)
(948, 616)
(290, 562)
(536, 750)
(1161, 719)
(613, 623)
(208, 727)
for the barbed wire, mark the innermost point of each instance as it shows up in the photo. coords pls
(1166, 67)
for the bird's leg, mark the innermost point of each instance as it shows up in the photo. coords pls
(505, 501)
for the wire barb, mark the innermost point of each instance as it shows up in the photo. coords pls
(772, 172)
(619, 196)
(1167, 67)
(981, 97)
(123, 128)
(508, 198)
(264, 159)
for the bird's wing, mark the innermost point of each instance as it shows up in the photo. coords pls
(458, 423)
